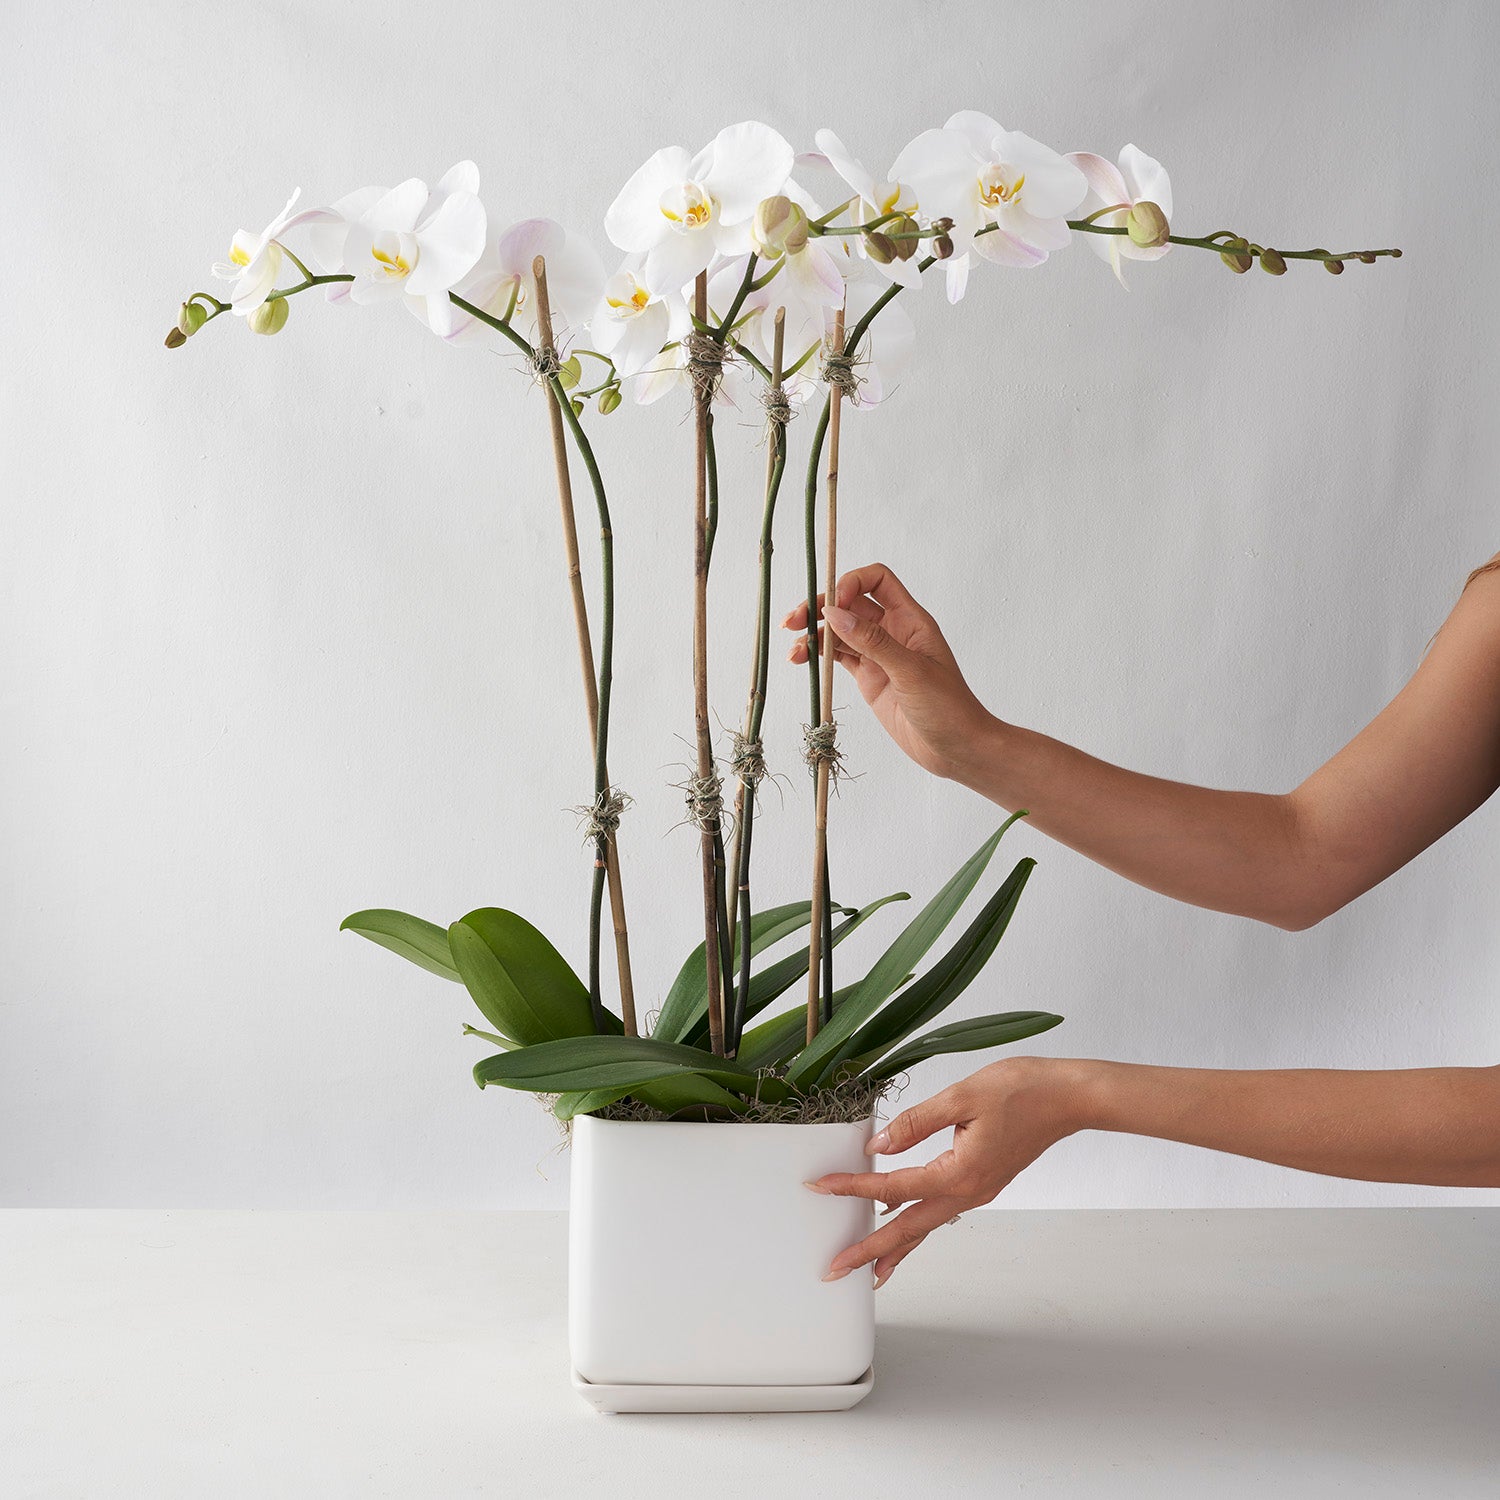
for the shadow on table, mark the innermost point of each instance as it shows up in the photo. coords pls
(1276, 1392)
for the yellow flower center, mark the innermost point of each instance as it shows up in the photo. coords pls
(626, 297)
(238, 255)
(687, 206)
(1000, 184)
(393, 263)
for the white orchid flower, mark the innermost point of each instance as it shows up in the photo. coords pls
(1138, 179)
(876, 199)
(631, 323)
(979, 174)
(409, 240)
(679, 211)
(255, 259)
(502, 284)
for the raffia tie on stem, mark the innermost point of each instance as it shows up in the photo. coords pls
(600, 819)
(748, 760)
(706, 358)
(545, 363)
(839, 370)
(705, 801)
(820, 747)
(778, 405)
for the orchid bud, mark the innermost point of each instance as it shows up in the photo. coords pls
(1334, 267)
(609, 399)
(780, 227)
(942, 246)
(1367, 258)
(176, 338)
(1272, 263)
(942, 225)
(577, 406)
(269, 317)
(904, 237)
(881, 248)
(1147, 225)
(191, 319)
(569, 373)
(1236, 255)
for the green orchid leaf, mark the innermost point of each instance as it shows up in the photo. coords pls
(897, 961)
(605, 1062)
(772, 1042)
(942, 984)
(518, 979)
(490, 1036)
(422, 943)
(966, 1036)
(776, 979)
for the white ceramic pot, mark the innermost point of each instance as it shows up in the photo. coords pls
(696, 1256)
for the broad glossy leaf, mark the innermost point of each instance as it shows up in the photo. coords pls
(776, 979)
(518, 979)
(942, 984)
(686, 1004)
(422, 943)
(772, 1042)
(966, 1036)
(604, 1062)
(897, 961)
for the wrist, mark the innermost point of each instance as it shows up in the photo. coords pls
(981, 753)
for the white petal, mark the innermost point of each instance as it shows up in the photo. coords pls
(1039, 233)
(640, 340)
(676, 260)
(634, 220)
(1147, 178)
(941, 169)
(450, 243)
(461, 177)
(1005, 250)
(327, 238)
(257, 282)
(399, 209)
(979, 131)
(1054, 185)
(523, 242)
(367, 290)
(1103, 178)
(852, 171)
(956, 277)
(750, 162)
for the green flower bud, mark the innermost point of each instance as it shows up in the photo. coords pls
(609, 399)
(905, 247)
(880, 247)
(1367, 258)
(1147, 225)
(1334, 267)
(1236, 255)
(191, 318)
(942, 246)
(1395, 255)
(780, 228)
(942, 225)
(1272, 263)
(577, 406)
(176, 338)
(570, 373)
(269, 317)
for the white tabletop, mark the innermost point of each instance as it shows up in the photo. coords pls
(1277, 1352)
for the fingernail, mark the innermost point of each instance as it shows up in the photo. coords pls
(840, 619)
(838, 1275)
(880, 1281)
(816, 1187)
(878, 1143)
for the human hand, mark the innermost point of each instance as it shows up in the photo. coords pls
(1003, 1118)
(903, 667)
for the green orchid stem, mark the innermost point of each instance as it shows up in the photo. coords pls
(302, 286)
(292, 256)
(606, 634)
(1214, 242)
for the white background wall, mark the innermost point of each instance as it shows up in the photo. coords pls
(285, 630)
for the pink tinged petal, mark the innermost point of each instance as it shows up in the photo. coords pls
(956, 278)
(676, 260)
(1054, 185)
(398, 209)
(449, 246)
(750, 162)
(326, 238)
(1003, 250)
(1040, 234)
(338, 293)
(575, 275)
(1103, 178)
(817, 273)
(1107, 246)
(634, 220)
(852, 171)
(523, 242)
(979, 131)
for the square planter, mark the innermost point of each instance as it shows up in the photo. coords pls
(695, 1262)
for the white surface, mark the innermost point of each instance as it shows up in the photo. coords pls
(756, 1231)
(657, 1399)
(284, 630)
(1297, 1354)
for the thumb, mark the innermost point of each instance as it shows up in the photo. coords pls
(914, 1125)
(870, 639)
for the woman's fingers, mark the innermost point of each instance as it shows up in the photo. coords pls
(841, 652)
(914, 1125)
(796, 618)
(894, 1241)
(880, 584)
(904, 1185)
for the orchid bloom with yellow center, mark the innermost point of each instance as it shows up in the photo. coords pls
(680, 211)
(631, 323)
(1138, 179)
(876, 199)
(1009, 196)
(255, 260)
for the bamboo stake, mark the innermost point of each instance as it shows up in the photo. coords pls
(820, 906)
(708, 827)
(755, 706)
(611, 859)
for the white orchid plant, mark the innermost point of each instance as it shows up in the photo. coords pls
(748, 270)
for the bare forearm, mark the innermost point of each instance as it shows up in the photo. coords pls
(1438, 1126)
(1230, 851)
